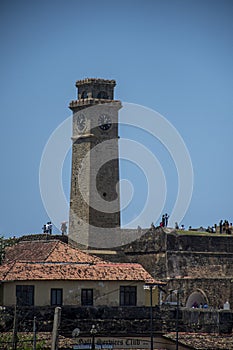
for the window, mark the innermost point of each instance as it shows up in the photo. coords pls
(87, 297)
(128, 296)
(84, 94)
(56, 296)
(25, 295)
(102, 94)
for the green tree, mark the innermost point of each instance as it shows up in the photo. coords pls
(5, 242)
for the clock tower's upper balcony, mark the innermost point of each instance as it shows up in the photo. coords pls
(93, 91)
(96, 88)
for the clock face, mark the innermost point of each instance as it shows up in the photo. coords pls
(105, 122)
(81, 122)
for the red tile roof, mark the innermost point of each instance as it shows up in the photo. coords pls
(55, 260)
(47, 251)
(25, 271)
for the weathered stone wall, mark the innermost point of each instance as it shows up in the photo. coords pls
(42, 237)
(199, 264)
(190, 262)
(131, 321)
(200, 243)
(216, 290)
(153, 240)
(209, 321)
(108, 320)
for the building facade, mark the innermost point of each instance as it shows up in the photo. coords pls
(51, 273)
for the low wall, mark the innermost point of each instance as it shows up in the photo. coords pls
(117, 321)
(200, 243)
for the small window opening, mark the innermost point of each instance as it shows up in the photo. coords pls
(102, 94)
(84, 94)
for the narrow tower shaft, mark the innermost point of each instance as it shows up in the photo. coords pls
(94, 195)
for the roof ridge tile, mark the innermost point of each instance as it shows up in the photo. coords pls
(52, 248)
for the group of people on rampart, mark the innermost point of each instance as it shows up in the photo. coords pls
(224, 227)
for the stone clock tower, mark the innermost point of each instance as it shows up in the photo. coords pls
(94, 196)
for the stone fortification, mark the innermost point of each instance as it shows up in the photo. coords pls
(199, 264)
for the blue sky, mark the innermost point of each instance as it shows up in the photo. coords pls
(173, 56)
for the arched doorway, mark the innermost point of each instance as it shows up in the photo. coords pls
(197, 299)
(172, 298)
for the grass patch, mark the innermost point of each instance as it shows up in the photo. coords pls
(200, 233)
